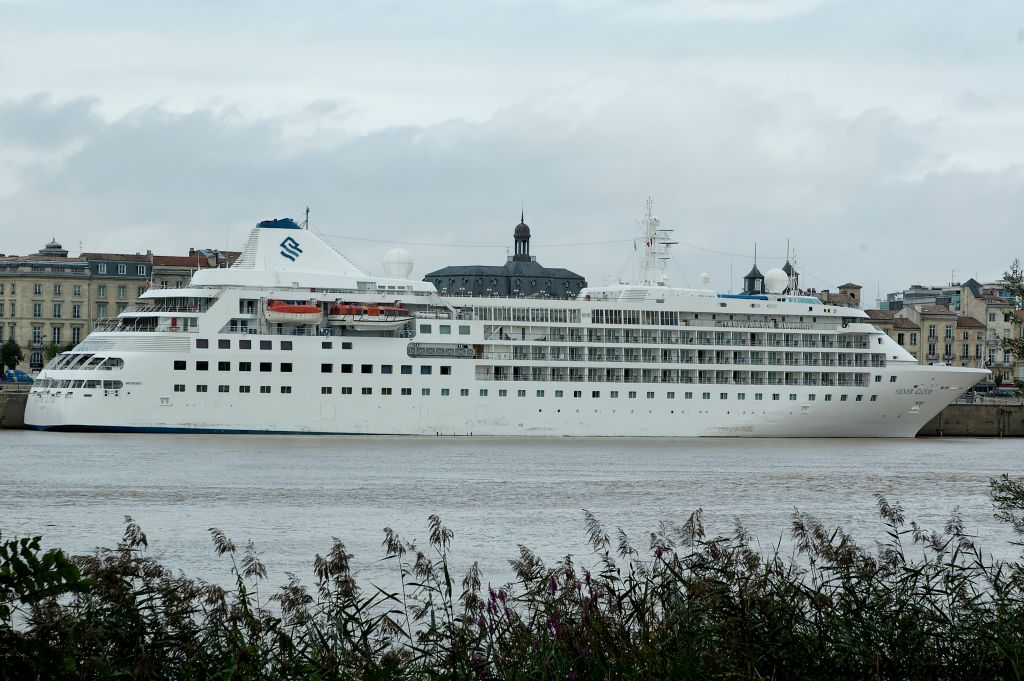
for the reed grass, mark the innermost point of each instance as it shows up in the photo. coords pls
(920, 605)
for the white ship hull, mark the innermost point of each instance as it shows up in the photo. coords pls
(617, 362)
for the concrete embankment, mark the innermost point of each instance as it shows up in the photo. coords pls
(978, 420)
(12, 409)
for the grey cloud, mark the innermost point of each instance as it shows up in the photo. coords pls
(863, 198)
(38, 122)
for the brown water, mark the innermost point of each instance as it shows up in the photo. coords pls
(291, 495)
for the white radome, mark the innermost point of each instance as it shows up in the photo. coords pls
(775, 280)
(398, 263)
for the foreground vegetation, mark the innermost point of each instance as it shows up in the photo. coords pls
(922, 605)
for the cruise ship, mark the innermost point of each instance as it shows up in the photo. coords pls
(295, 338)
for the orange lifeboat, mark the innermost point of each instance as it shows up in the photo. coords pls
(279, 311)
(368, 317)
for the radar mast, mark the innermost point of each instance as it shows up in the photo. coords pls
(656, 248)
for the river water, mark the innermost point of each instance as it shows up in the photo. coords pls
(291, 494)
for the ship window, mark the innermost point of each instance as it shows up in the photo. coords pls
(406, 369)
(892, 379)
(385, 368)
(245, 344)
(326, 345)
(613, 394)
(202, 343)
(266, 366)
(407, 391)
(595, 393)
(465, 392)
(179, 387)
(245, 366)
(670, 395)
(558, 393)
(223, 344)
(878, 379)
(860, 398)
(424, 328)
(346, 345)
(464, 330)
(425, 391)
(223, 366)
(444, 392)
(179, 365)
(265, 389)
(522, 393)
(792, 396)
(223, 389)
(200, 388)
(540, 393)
(577, 393)
(723, 396)
(446, 371)
(632, 394)
(874, 398)
(366, 369)
(812, 397)
(650, 395)
(503, 393)
(346, 368)
(425, 369)
(286, 345)
(243, 388)
(286, 367)
(346, 390)
(265, 345)
(483, 392)
(842, 398)
(445, 329)
(285, 389)
(326, 368)
(385, 391)
(202, 366)
(828, 397)
(741, 396)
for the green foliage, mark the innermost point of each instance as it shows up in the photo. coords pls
(1015, 286)
(10, 353)
(50, 351)
(922, 605)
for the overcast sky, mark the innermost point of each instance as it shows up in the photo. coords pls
(883, 139)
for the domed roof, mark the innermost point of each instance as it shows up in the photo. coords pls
(754, 273)
(522, 231)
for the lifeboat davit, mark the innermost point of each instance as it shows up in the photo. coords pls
(280, 312)
(368, 317)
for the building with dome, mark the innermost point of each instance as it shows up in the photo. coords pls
(520, 276)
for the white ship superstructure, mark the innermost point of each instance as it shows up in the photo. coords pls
(294, 338)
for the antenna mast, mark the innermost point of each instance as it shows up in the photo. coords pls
(305, 223)
(656, 248)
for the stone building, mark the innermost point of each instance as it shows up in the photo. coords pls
(48, 298)
(520, 276)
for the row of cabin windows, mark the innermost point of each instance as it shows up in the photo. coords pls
(444, 329)
(325, 368)
(464, 392)
(246, 344)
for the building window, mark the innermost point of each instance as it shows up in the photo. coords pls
(141, 269)
(223, 366)
(56, 289)
(122, 269)
(76, 334)
(122, 292)
(37, 289)
(37, 309)
(913, 339)
(200, 388)
(76, 311)
(101, 291)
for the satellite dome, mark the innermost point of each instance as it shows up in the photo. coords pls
(705, 278)
(776, 280)
(398, 263)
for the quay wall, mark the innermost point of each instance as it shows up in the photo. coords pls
(977, 420)
(12, 408)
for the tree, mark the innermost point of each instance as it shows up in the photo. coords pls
(1015, 287)
(10, 353)
(50, 351)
